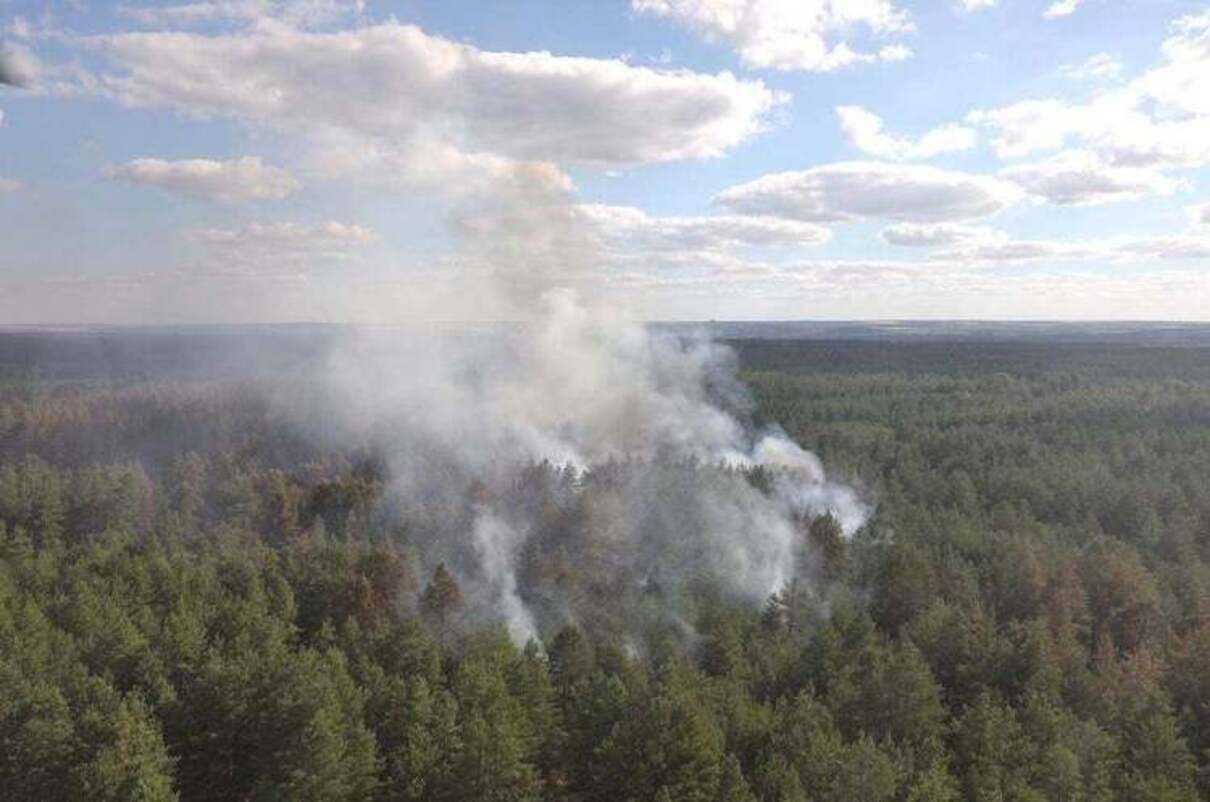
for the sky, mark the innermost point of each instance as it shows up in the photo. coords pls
(245, 161)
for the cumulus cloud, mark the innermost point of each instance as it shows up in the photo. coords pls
(789, 34)
(864, 130)
(1028, 126)
(1160, 119)
(1113, 125)
(894, 53)
(395, 88)
(487, 135)
(1180, 81)
(934, 235)
(1199, 214)
(872, 190)
(234, 181)
(1081, 178)
(1061, 8)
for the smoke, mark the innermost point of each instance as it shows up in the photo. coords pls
(571, 456)
(574, 456)
(801, 481)
(496, 544)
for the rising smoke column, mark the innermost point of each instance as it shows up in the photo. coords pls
(573, 381)
(496, 546)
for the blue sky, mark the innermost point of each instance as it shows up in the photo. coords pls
(243, 160)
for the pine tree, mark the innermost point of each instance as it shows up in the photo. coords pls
(442, 598)
(571, 659)
(134, 766)
(732, 787)
(497, 747)
(669, 742)
(826, 535)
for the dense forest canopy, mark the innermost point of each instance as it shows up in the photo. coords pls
(203, 599)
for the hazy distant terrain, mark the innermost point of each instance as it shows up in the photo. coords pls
(149, 352)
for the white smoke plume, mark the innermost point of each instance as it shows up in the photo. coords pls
(497, 544)
(646, 433)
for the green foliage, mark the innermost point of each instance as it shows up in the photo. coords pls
(195, 604)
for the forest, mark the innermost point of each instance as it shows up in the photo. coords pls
(202, 599)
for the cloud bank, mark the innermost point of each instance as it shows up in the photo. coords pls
(233, 181)
(848, 191)
(864, 130)
(790, 34)
(397, 91)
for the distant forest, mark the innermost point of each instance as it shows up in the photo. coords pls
(201, 599)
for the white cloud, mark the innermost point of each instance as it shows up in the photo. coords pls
(934, 235)
(634, 230)
(256, 247)
(958, 245)
(194, 13)
(1029, 126)
(304, 13)
(1175, 247)
(894, 53)
(484, 134)
(872, 190)
(789, 34)
(9, 185)
(1127, 250)
(1143, 141)
(1112, 125)
(970, 6)
(234, 181)
(395, 89)
(1007, 250)
(1061, 8)
(1160, 119)
(864, 130)
(822, 288)
(590, 245)
(1081, 178)
(1099, 67)
(323, 235)
(1180, 82)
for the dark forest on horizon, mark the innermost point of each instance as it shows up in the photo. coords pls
(201, 601)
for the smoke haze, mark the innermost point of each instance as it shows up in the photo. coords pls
(655, 425)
